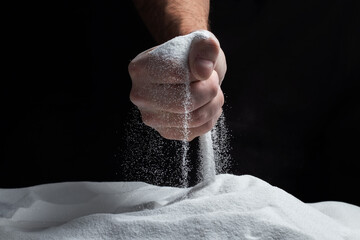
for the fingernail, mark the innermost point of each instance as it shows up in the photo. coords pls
(204, 63)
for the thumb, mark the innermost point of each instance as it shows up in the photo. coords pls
(203, 56)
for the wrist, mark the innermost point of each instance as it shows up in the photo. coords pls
(167, 19)
(186, 18)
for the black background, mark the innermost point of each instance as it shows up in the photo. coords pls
(292, 95)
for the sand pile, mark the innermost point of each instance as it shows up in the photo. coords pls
(232, 207)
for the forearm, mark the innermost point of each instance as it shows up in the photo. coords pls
(166, 19)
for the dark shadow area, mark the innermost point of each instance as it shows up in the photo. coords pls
(292, 93)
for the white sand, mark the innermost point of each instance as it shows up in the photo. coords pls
(172, 57)
(232, 207)
(208, 169)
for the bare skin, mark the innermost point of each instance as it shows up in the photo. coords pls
(207, 65)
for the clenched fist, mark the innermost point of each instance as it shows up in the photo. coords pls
(159, 86)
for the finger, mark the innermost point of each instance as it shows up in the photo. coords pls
(207, 112)
(171, 97)
(179, 133)
(147, 68)
(220, 66)
(203, 57)
(137, 67)
(161, 119)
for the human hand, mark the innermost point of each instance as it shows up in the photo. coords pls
(158, 90)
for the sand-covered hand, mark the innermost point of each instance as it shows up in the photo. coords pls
(161, 75)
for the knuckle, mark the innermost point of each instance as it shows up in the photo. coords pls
(191, 137)
(209, 125)
(132, 69)
(222, 99)
(147, 119)
(136, 97)
(213, 88)
(198, 118)
(165, 133)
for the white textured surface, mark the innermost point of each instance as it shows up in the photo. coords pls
(176, 50)
(232, 207)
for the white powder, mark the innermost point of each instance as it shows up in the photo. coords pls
(220, 138)
(174, 56)
(231, 207)
(207, 157)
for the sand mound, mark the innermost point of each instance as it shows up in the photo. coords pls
(232, 207)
